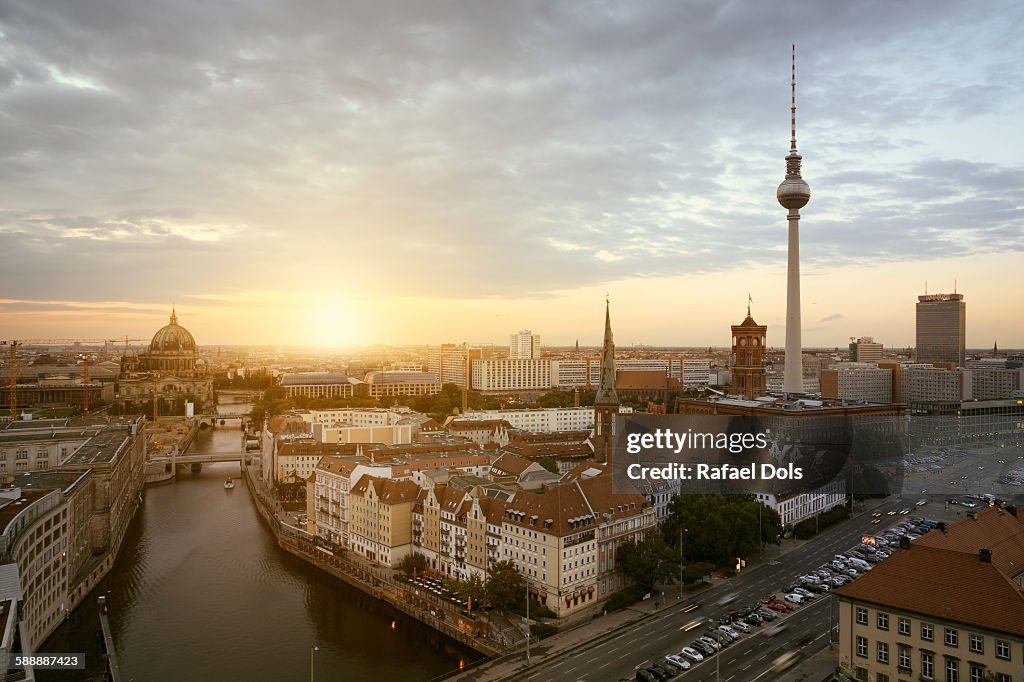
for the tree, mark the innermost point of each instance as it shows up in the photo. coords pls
(718, 528)
(411, 562)
(649, 561)
(549, 463)
(505, 587)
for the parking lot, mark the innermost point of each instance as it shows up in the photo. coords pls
(707, 639)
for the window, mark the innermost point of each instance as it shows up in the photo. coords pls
(904, 658)
(1002, 649)
(881, 677)
(952, 670)
(951, 637)
(883, 652)
(1004, 677)
(862, 616)
(977, 643)
(904, 626)
(862, 646)
(977, 673)
(927, 665)
(861, 673)
(883, 621)
(927, 631)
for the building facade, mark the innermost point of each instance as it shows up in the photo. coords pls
(525, 344)
(942, 328)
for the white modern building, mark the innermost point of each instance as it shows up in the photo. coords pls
(793, 510)
(857, 381)
(507, 374)
(525, 344)
(540, 420)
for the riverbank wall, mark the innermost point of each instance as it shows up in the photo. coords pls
(375, 581)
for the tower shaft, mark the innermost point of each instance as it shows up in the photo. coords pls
(793, 381)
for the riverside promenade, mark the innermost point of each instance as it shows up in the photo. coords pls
(412, 599)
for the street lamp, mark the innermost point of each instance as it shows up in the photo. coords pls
(681, 531)
(312, 649)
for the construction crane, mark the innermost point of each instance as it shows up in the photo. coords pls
(13, 368)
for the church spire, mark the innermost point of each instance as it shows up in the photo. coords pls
(174, 315)
(606, 394)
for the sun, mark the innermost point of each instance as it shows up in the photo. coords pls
(332, 322)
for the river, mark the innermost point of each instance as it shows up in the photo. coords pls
(201, 591)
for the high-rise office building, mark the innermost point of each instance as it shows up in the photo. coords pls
(942, 328)
(525, 344)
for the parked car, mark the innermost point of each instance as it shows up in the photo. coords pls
(667, 672)
(644, 676)
(705, 650)
(678, 661)
(741, 626)
(710, 641)
(692, 654)
(767, 613)
(795, 598)
(729, 631)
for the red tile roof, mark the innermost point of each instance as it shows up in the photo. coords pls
(943, 576)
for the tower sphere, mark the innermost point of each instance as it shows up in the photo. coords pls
(793, 192)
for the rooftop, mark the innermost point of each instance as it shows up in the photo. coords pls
(946, 576)
(105, 446)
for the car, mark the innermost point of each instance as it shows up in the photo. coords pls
(823, 587)
(710, 641)
(656, 674)
(778, 607)
(922, 502)
(667, 672)
(753, 620)
(795, 598)
(692, 654)
(883, 553)
(729, 631)
(741, 626)
(727, 599)
(705, 650)
(840, 557)
(678, 661)
(852, 572)
(773, 630)
(876, 521)
(876, 514)
(784, 662)
(767, 613)
(644, 676)
(892, 512)
(839, 565)
(723, 639)
(904, 511)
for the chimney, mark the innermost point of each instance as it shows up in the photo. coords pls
(941, 526)
(904, 543)
(985, 555)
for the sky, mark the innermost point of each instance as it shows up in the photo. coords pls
(350, 173)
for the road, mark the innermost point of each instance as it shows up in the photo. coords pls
(618, 655)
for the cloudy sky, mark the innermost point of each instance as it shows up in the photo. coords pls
(349, 173)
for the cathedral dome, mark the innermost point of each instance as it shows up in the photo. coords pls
(173, 337)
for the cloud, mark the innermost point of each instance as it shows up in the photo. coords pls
(509, 149)
(833, 317)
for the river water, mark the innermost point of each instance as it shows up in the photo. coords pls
(201, 591)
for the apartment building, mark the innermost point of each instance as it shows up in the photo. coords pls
(381, 519)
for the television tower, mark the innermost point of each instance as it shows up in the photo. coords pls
(793, 194)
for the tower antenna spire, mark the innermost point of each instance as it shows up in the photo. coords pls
(792, 139)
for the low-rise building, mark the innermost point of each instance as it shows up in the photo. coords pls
(396, 382)
(948, 606)
(322, 385)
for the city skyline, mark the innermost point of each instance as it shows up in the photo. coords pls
(501, 169)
